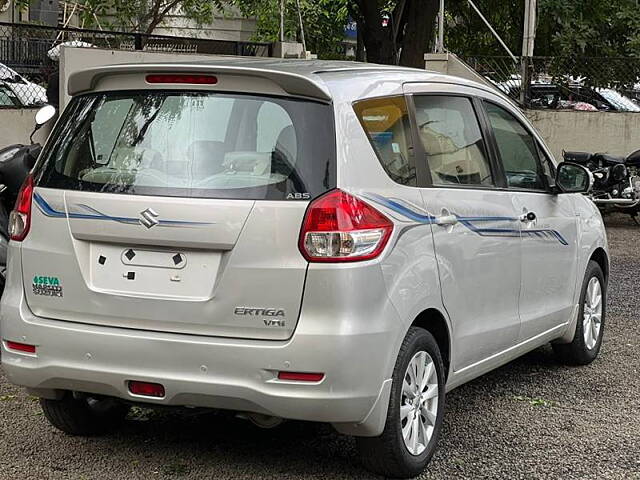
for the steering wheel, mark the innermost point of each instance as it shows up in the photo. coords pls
(526, 178)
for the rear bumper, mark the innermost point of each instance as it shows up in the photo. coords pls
(208, 372)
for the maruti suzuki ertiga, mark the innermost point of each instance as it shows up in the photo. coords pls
(319, 241)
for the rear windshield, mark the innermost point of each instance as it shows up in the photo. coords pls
(192, 144)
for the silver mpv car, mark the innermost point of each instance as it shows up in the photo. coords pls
(319, 241)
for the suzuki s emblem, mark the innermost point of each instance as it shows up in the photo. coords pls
(148, 218)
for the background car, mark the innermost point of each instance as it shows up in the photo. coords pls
(28, 92)
(8, 98)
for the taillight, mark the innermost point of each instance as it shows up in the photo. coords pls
(20, 217)
(339, 227)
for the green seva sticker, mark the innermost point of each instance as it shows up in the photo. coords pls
(47, 286)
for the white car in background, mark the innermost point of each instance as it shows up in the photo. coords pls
(28, 93)
(7, 97)
(619, 101)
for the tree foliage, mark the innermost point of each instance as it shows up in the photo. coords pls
(565, 27)
(405, 36)
(575, 31)
(142, 15)
(571, 35)
(466, 34)
(597, 28)
(323, 20)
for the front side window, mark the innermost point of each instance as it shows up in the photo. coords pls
(548, 168)
(193, 144)
(452, 140)
(518, 150)
(386, 123)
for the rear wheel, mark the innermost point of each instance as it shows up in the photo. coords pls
(85, 416)
(587, 338)
(416, 408)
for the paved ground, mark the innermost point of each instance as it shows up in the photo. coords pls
(529, 419)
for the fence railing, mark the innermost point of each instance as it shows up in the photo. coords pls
(26, 65)
(578, 83)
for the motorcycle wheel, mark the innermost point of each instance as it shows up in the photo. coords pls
(635, 207)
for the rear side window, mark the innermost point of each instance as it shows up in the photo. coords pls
(193, 144)
(386, 123)
(450, 134)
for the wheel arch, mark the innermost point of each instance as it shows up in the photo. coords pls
(600, 256)
(433, 321)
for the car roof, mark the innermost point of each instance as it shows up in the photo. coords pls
(320, 79)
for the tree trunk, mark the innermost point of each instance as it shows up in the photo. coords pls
(419, 31)
(377, 39)
(360, 56)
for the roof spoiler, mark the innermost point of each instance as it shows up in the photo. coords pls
(297, 85)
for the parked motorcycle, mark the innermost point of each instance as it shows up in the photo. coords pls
(616, 185)
(15, 163)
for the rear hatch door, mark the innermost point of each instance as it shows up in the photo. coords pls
(177, 212)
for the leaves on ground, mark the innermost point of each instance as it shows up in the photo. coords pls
(535, 402)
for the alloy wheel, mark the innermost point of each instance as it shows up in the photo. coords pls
(419, 402)
(592, 313)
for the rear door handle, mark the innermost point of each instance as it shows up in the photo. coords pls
(528, 217)
(445, 220)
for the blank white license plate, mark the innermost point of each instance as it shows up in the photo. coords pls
(133, 271)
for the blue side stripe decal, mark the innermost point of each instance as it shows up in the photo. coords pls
(397, 207)
(49, 211)
(46, 208)
(392, 204)
(468, 222)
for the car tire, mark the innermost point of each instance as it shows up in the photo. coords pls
(84, 416)
(587, 338)
(389, 454)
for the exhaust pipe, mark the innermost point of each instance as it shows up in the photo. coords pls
(262, 421)
(621, 201)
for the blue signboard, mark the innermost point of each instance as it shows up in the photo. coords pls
(351, 29)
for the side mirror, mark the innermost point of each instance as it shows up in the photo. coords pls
(45, 114)
(573, 178)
